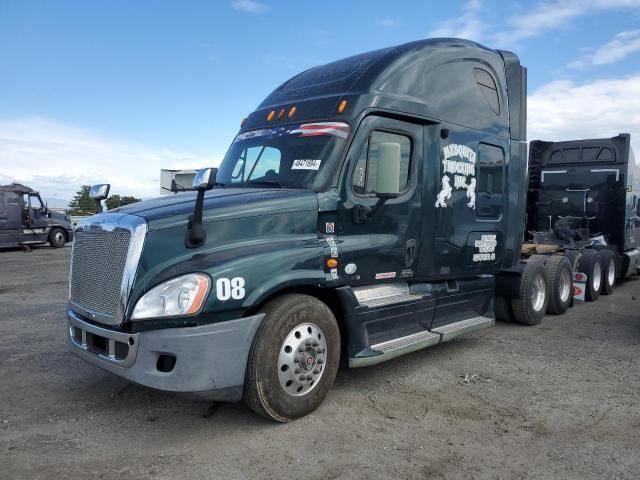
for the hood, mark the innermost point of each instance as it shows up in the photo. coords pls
(59, 217)
(221, 204)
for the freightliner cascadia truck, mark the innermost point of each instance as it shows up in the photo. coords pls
(363, 211)
(27, 221)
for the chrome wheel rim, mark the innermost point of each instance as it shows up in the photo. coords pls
(58, 237)
(565, 285)
(538, 292)
(302, 358)
(611, 274)
(597, 276)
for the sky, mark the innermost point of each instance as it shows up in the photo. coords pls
(113, 91)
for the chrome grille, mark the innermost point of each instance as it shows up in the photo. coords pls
(97, 267)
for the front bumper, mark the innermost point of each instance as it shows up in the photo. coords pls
(210, 360)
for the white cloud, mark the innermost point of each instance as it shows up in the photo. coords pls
(249, 6)
(554, 15)
(622, 45)
(57, 159)
(468, 25)
(388, 22)
(565, 110)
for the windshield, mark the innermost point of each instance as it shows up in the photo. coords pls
(294, 156)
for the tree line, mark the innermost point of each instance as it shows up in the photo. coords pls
(82, 204)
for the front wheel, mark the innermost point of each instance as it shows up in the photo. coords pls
(294, 358)
(57, 238)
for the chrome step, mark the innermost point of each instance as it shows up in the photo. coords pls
(388, 294)
(423, 339)
(453, 330)
(417, 341)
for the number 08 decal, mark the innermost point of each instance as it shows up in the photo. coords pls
(230, 288)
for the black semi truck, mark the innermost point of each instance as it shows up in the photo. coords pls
(25, 220)
(583, 216)
(364, 210)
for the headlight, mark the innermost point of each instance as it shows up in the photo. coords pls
(182, 295)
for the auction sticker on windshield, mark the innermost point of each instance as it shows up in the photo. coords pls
(306, 164)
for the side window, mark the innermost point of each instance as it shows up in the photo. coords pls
(606, 155)
(488, 88)
(589, 153)
(572, 155)
(365, 172)
(36, 203)
(1, 202)
(556, 157)
(490, 201)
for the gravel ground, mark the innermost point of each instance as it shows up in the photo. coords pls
(560, 400)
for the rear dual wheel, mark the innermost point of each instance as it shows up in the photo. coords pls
(560, 284)
(294, 358)
(610, 271)
(591, 265)
(530, 307)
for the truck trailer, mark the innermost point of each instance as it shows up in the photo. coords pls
(25, 220)
(364, 210)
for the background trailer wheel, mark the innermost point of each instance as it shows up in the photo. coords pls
(294, 358)
(530, 307)
(591, 265)
(57, 238)
(560, 284)
(609, 271)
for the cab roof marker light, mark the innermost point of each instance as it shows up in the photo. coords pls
(281, 113)
(341, 106)
(292, 111)
(271, 115)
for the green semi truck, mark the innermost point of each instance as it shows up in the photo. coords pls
(363, 211)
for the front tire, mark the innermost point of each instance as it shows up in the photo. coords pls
(294, 358)
(57, 238)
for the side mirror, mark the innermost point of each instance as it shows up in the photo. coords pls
(98, 193)
(204, 180)
(388, 174)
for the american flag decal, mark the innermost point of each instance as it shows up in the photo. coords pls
(337, 129)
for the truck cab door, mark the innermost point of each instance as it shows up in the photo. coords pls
(36, 220)
(379, 244)
(10, 219)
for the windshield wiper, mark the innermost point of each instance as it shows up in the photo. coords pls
(265, 183)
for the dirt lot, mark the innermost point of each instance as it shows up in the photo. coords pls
(561, 400)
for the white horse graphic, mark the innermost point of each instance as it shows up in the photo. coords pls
(445, 193)
(471, 193)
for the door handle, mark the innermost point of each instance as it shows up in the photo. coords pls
(361, 213)
(411, 248)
